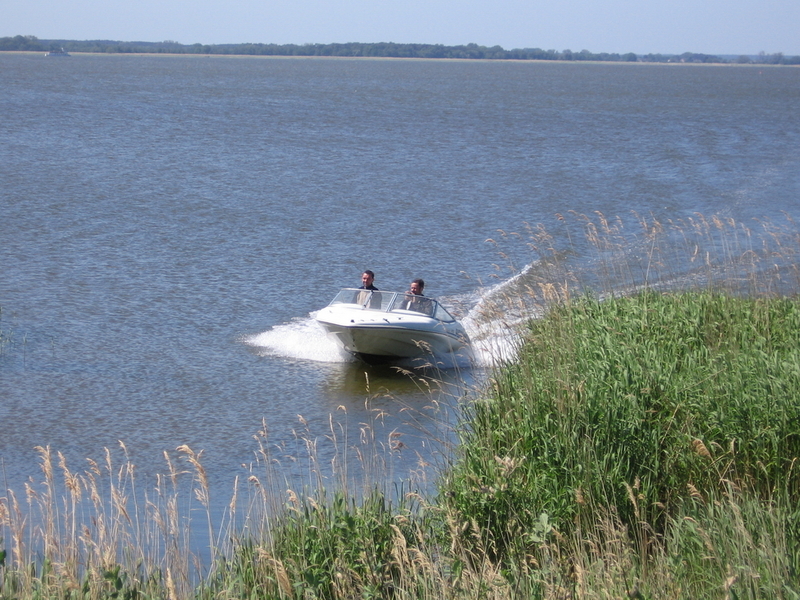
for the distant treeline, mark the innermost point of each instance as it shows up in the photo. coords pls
(377, 50)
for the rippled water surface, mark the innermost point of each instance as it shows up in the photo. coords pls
(169, 224)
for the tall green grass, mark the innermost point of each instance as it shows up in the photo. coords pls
(634, 407)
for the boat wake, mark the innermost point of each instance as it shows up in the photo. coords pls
(496, 317)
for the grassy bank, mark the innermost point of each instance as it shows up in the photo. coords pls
(642, 446)
(662, 429)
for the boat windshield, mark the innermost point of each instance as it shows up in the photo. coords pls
(393, 301)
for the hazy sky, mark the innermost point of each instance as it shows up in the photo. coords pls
(640, 26)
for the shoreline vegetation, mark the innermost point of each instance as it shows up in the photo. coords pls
(378, 50)
(643, 443)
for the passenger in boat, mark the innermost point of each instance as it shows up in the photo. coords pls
(367, 278)
(415, 300)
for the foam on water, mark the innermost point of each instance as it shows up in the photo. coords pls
(301, 338)
(493, 324)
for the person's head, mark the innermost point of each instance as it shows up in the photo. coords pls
(417, 286)
(367, 277)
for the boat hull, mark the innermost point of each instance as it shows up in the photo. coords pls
(377, 336)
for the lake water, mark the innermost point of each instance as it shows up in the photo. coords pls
(168, 226)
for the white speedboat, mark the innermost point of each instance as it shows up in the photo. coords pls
(383, 326)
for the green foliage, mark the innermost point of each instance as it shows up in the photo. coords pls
(26, 43)
(117, 585)
(731, 538)
(326, 549)
(633, 405)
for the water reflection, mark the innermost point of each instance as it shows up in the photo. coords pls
(357, 378)
(410, 413)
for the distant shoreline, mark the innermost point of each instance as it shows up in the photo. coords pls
(401, 58)
(380, 50)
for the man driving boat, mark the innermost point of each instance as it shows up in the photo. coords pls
(367, 279)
